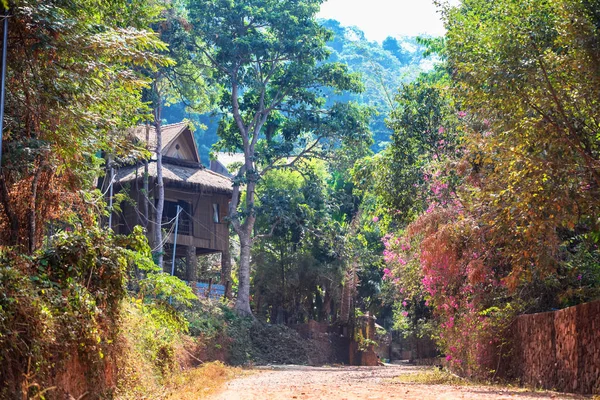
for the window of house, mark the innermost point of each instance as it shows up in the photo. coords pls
(215, 213)
(185, 220)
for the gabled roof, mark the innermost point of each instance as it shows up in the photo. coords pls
(181, 163)
(170, 133)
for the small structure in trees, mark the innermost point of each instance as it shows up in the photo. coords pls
(196, 200)
(226, 164)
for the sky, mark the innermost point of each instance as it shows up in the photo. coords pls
(382, 18)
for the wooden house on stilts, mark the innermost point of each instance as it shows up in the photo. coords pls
(201, 195)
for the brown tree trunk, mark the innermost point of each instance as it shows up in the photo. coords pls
(226, 271)
(13, 236)
(242, 304)
(32, 209)
(160, 188)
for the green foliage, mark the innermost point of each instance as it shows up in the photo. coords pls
(383, 69)
(208, 319)
(68, 298)
(269, 56)
(153, 331)
(298, 269)
(347, 46)
(530, 86)
(425, 129)
(72, 90)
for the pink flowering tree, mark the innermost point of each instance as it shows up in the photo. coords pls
(441, 260)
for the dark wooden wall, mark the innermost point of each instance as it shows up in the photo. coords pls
(207, 236)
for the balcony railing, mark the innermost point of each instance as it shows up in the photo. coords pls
(184, 227)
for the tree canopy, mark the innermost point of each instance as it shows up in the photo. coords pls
(269, 57)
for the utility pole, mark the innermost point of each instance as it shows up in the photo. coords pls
(175, 242)
(110, 200)
(174, 247)
(3, 79)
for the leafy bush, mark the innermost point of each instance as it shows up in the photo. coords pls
(61, 306)
(150, 336)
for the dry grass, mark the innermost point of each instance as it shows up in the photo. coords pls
(435, 376)
(432, 377)
(199, 383)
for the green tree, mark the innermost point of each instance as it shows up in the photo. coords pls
(268, 55)
(425, 129)
(391, 44)
(532, 82)
(181, 81)
(71, 91)
(298, 266)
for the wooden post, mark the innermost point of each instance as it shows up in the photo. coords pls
(191, 264)
(227, 294)
(3, 78)
(226, 271)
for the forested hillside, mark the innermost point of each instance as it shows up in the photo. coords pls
(383, 67)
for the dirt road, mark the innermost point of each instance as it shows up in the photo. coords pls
(354, 383)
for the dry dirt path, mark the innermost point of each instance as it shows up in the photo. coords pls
(354, 383)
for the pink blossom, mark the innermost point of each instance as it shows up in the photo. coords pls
(387, 273)
(405, 313)
(404, 303)
(462, 114)
(375, 219)
(579, 277)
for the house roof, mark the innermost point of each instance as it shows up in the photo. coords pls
(169, 133)
(193, 178)
(226, 159)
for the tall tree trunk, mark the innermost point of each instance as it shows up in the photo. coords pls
(249, 171)
(146, 187)
(242, 304)
(191, 266)
(160, 188)
(226, 270)
(32, 209)
(13, 237)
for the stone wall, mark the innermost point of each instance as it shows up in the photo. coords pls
(558, 350)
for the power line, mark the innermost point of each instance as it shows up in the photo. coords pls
(206, 227)
(168, 235)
